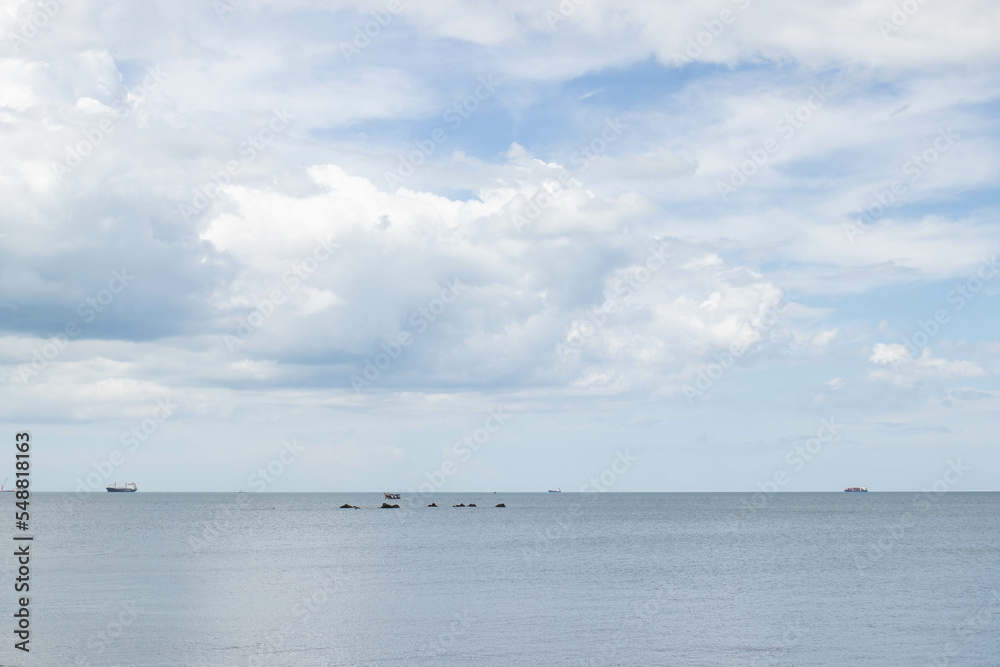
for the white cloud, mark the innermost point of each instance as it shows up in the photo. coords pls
(823, 338)
(528, 288)
(902, 369)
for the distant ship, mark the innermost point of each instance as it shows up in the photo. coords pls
(851, 489)
(391, 496)
(128, 488)
(555, 490)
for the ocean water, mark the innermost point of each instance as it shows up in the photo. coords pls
(552, 579)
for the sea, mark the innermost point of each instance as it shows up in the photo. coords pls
(551, 579)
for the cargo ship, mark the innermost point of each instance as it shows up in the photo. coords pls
(852, 489)
(128, 488)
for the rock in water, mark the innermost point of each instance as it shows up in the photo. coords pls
(387, 506)
(501, 505)
(433, 505)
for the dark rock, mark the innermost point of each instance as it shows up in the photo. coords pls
(459, 505)
(387, 506)
(433, 505)
(472, 504)
(501, 505)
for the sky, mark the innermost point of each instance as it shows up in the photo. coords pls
(514, 246)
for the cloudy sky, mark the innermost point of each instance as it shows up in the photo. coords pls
(500, 245)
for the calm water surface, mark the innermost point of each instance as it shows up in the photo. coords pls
(553, 579)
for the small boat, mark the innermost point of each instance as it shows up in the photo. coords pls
(555, 490)
(854, 489)
(391, 496)
(128, 488)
